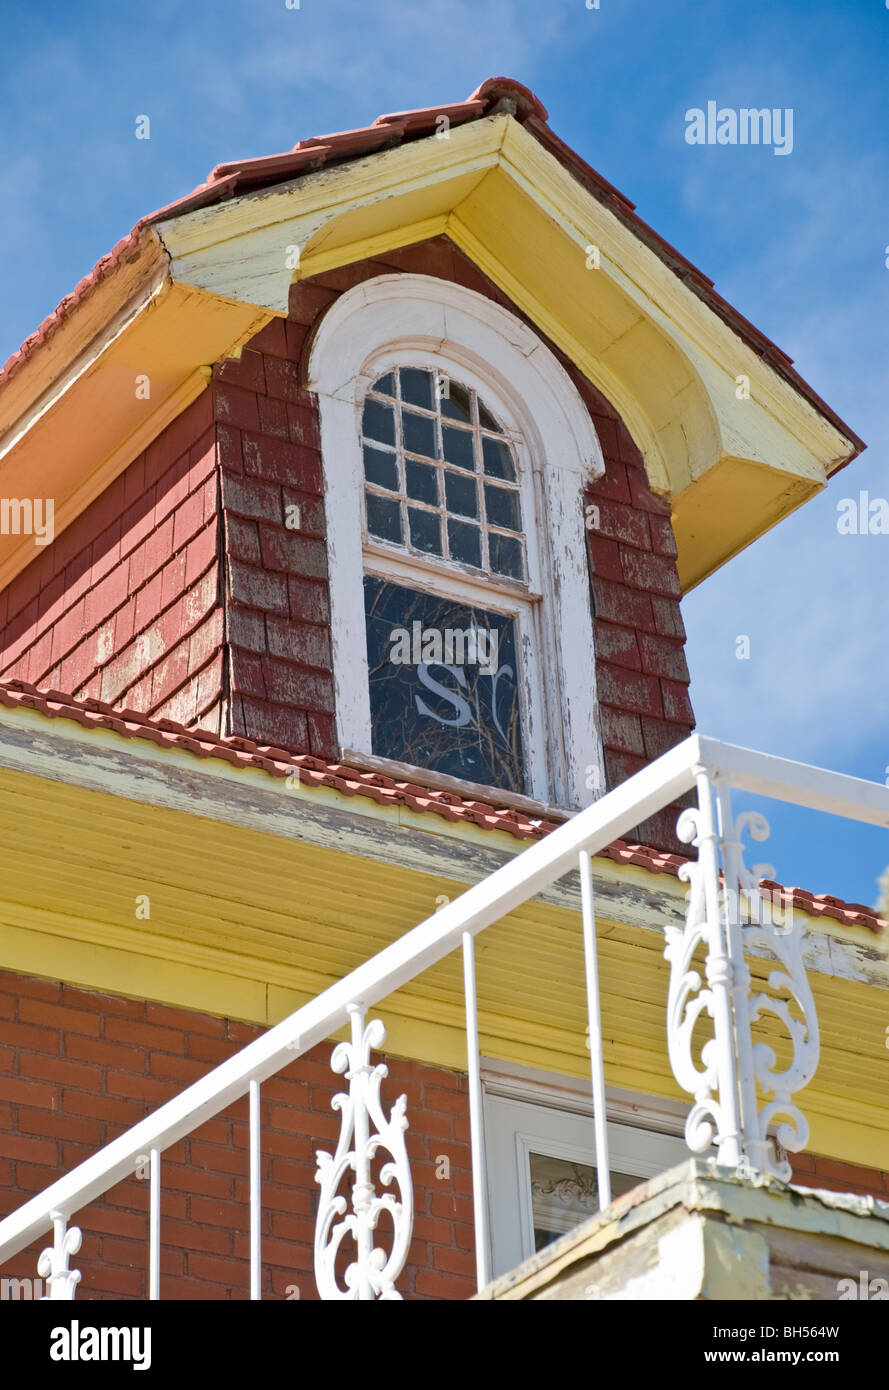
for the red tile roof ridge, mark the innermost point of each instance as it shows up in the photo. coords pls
(494, 94)
(350, 781)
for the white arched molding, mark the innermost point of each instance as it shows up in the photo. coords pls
(418, 320)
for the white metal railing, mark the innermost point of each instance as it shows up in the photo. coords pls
(728, 1076)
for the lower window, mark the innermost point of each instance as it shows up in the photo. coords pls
(542, 1172)
(444, 684)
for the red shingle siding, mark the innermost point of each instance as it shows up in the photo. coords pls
(77, 1069)
(124, 606)
(276, 575)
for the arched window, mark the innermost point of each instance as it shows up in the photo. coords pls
(455, 449)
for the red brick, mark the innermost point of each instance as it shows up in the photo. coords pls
(61, 1071)
(273, 418)
(305, 644)
(663, 541)
(252, 498)
(449, 1286)
(145, 1035)
(667, 617)
(661, 736)
(57, 1016)
(620, 766)
(322, 735)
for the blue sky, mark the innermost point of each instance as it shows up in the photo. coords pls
(797, 243)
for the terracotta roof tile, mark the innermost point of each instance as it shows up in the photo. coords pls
(385, 791)
(494, 94)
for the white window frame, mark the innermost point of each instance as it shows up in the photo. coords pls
(417, 320)
(537, 1112)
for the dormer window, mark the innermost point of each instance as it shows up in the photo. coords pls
(440, 475)
(455, 452)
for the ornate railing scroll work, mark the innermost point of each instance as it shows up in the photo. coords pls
(364, 1132)
(53, 1262)
(743, 1102)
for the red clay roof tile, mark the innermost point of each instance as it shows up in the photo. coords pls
(385, 791)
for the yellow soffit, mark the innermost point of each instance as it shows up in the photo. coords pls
(207, 280)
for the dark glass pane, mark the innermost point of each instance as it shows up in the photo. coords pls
(378, 422)
(502, 507)
(462, 494)
(416, 387)
(421, 482)
(506, 556)
(465, 543)
(486, 419)
(418, 433)
(457, 447)
(425, 530)
(385, 386)
(444, 685)
(456, 404)
(383, 518)
(380, 468)
(497, 460)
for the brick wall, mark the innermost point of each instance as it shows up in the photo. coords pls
(124, 605)
(77, 1069)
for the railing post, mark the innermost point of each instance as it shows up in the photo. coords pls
(735, 1070)
(716, 1112)
(364, 1130)
(255, 1193)
(154, 1225)
(476, 1118)
(53, 1262)
(591, 962)
(789, 1000)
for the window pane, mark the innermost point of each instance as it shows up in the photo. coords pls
(506, 556)
(564, 1193)
(462, 494)
(425, 530)
(498, 461)
(502, 508)
(381, 468)
(383, 518)
(457, 447)
(465, 543)
(421, 482)
(416, 387)
(444, 685)
(378, 422)
(385, 386)
(456, 404)
(419, 434)
(486, 419)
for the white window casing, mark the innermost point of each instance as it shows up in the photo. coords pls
(419, 321)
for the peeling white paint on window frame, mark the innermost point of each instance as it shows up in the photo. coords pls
(419, 320)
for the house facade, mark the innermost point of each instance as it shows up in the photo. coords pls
(377, 471)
